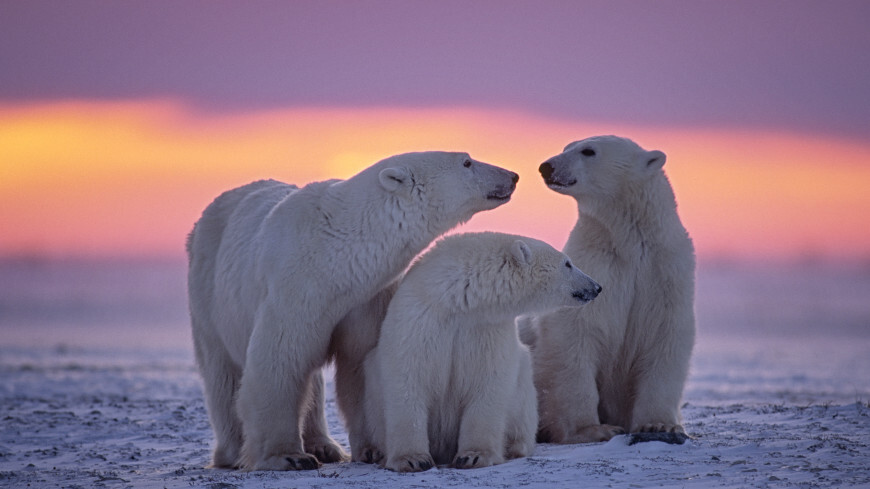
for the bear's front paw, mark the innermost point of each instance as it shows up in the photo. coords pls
(595, 433)
(327, 451)
(224, 458)
(292, 461)
(417, 462)
(519, 448)
(368, 454)
(473, 459)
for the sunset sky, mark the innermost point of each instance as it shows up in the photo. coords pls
(121, 121)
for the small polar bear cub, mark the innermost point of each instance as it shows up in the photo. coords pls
(449, 381)
(276, 270)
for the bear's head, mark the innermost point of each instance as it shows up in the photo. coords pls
(601, 169)
(500, 275)
(449, 185)
(549, 279)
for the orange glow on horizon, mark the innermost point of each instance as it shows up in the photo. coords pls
(129, 179)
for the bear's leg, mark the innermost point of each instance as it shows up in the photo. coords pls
(568, 403)
(355, 336)
(407, 440)
(316, 433)
(272, 398)
(658, 394)
(372, 430)
(351, 390)
(523, 419)
(481, 436)
(483, 426)
(221, 377)
(406, 421)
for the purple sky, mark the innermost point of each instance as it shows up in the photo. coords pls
(783, 64)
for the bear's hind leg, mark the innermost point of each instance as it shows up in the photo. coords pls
(355, 336)
(354, 394)
(221, 378)
(316, 433)
(568, 404)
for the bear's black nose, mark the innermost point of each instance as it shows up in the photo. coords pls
(598, 289)
(515, 178)
(546, 170)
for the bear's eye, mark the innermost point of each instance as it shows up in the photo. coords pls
(467, 164)
(567, 264)
(587, 152)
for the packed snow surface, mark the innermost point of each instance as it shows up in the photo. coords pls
(98, 388)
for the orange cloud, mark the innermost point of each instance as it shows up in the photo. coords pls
(130, 178)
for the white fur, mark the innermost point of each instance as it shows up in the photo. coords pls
(275, 268)
(449, 380)
(620, 363)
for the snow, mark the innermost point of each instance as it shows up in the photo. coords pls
(119, 404)
(76, 417)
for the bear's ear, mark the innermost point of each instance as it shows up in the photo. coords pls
(655, 159)
(394, 178)
(521, 252)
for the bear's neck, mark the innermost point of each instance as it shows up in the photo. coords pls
(639, 217)
(384, 232)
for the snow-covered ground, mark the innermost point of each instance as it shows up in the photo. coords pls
(98, 389)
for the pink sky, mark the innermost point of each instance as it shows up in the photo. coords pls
(119, 122)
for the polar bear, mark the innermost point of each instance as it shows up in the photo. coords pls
(449, 380)
(274, 270)
(621, 363)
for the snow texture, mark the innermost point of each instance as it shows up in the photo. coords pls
(116, 407)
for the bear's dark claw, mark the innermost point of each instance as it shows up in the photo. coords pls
(303, 463)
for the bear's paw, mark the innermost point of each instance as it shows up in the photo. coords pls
(415, 462)
(368, 455)
(596, 433)
(291, 461)
(672, 437)
(659, 428)
(327, 451)
(474, 459)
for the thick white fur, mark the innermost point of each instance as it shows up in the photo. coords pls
(449, 381)
(620, 363)
(275, 268)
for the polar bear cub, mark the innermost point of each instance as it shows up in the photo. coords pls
(619, 364)
(275, 269)
(449, 381)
